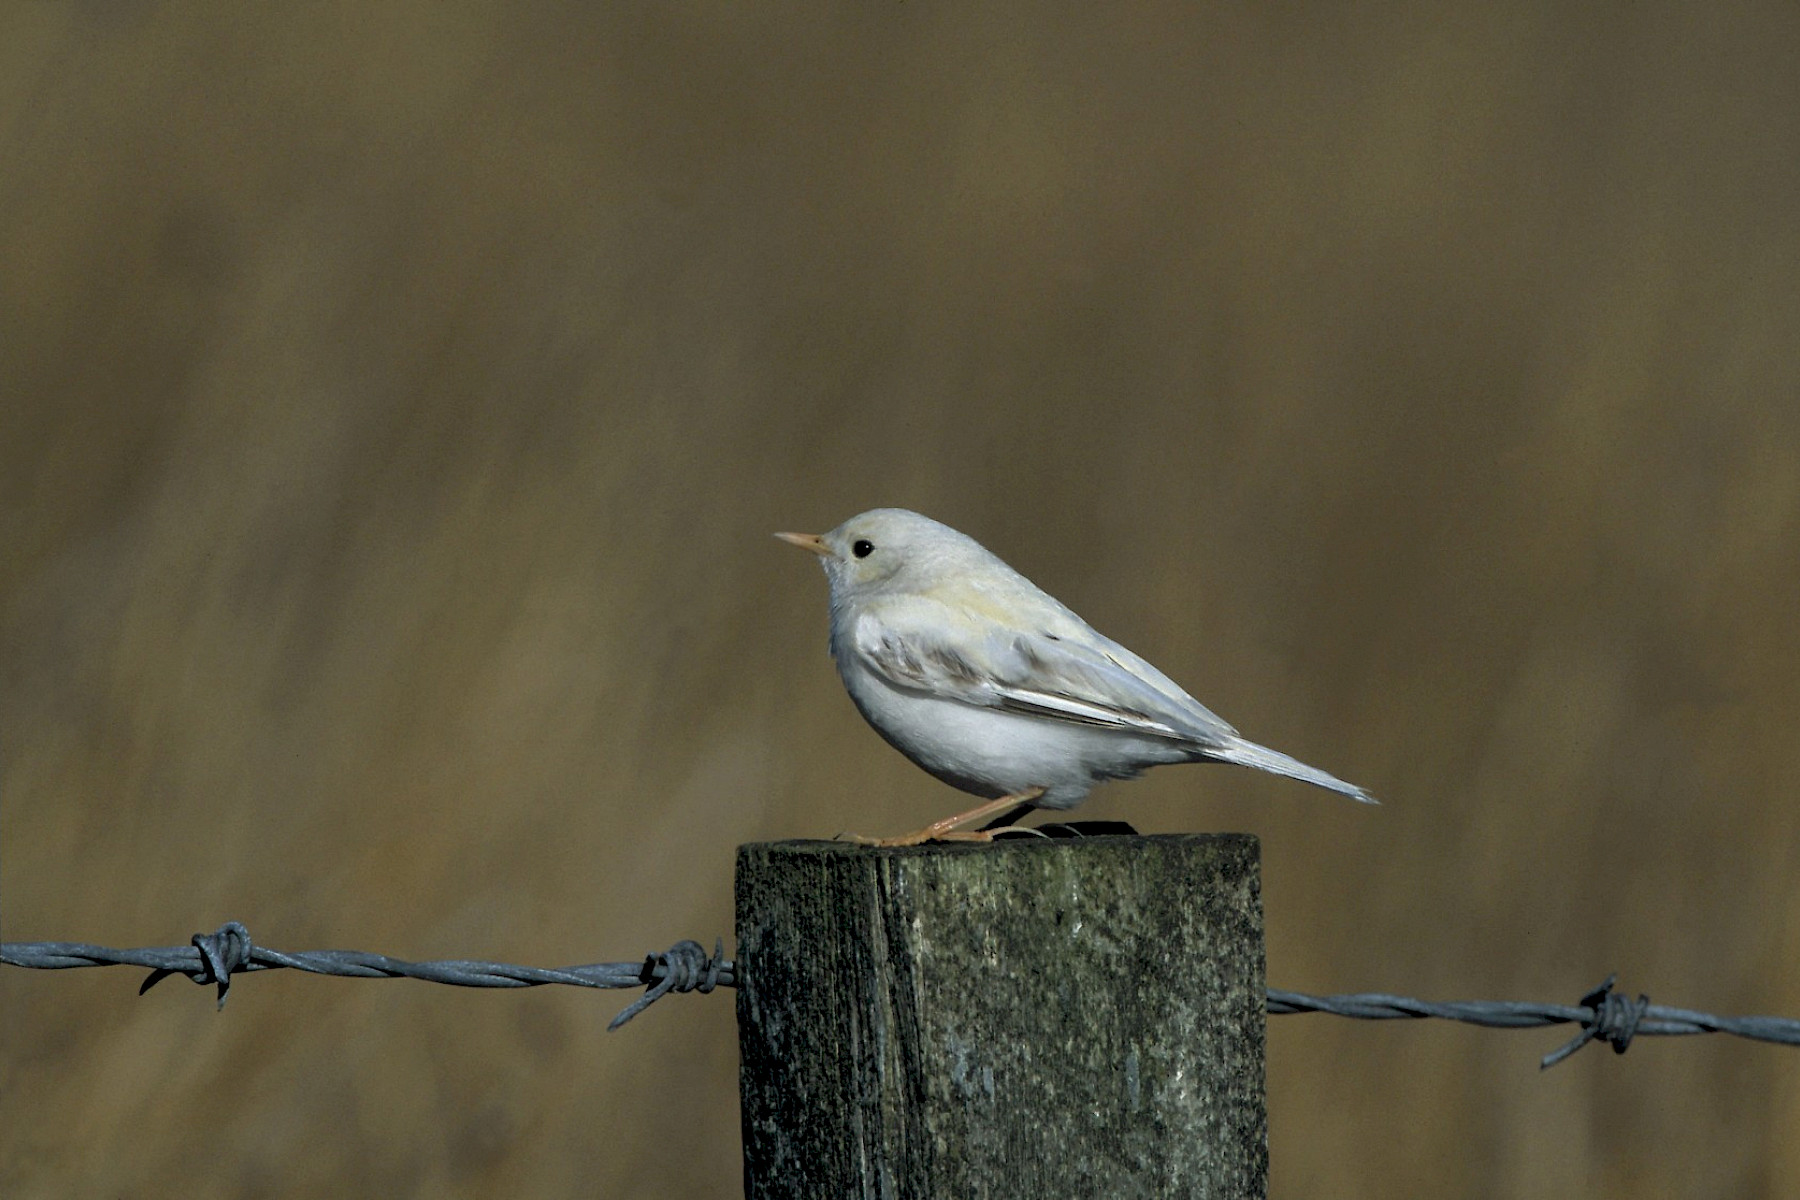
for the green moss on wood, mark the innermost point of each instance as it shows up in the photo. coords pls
(1030, 1018)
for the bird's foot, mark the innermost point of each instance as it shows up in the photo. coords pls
(947, 829)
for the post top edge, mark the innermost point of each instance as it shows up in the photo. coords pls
(822, 848)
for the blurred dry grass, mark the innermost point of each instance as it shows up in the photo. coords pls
(397, 400)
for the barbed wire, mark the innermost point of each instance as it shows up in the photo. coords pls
(215, 957)
(1603, 1014)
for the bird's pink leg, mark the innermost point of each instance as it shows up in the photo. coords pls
(946, 830)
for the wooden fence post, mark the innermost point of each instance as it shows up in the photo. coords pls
(1031, 1018)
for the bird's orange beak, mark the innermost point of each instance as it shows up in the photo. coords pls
(807, 541)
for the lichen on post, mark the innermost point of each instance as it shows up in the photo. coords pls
(1030, 1018)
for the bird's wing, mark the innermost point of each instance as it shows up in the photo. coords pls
(1068, 673)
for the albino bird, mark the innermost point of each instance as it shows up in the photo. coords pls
(992, 685)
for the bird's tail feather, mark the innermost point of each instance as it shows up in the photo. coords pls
(1249, 754)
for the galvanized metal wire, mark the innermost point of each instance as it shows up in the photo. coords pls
(215, 957)
(1602, 1014)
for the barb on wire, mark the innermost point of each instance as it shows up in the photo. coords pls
(215, 957)
(1603, 1014)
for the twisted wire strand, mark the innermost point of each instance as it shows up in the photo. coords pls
(215, 957)
(1603, 1014)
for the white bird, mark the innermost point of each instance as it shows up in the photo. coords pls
(994, 686)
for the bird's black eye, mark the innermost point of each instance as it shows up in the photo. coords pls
(862, 547)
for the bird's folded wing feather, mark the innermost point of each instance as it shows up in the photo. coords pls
(1072, 675)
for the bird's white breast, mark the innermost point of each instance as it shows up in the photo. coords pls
(991, 752)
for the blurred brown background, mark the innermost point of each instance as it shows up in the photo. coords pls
(397, 401)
